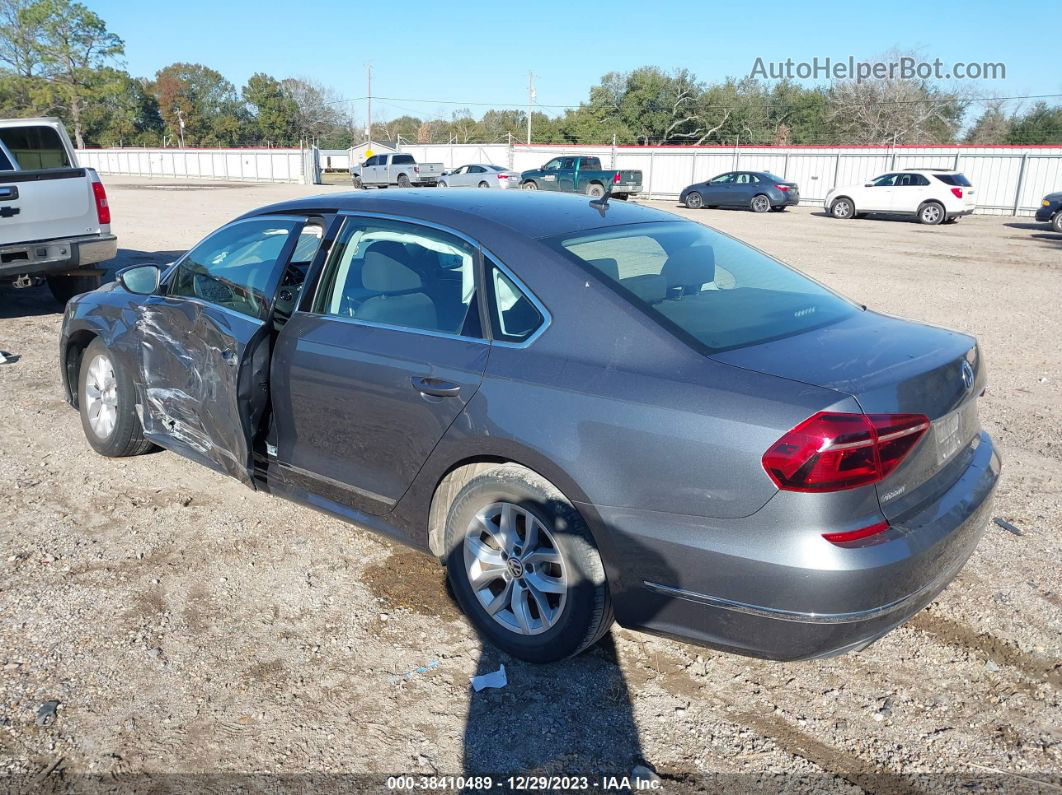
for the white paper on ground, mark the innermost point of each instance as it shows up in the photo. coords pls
(493, 679)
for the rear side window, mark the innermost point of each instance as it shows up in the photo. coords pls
(708, 288)
(911, 180)
(35, 147)
(514, 316)
(591, 164)
(957, 180)
(402, 160)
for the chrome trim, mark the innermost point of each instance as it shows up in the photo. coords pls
(337, 484)
(206, 305)
(778, 614)
(547, 317)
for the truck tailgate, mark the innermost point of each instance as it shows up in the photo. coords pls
(46, 204)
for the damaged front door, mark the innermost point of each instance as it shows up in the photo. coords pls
(206, 343)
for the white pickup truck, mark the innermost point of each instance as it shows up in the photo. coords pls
(399, 169)
(55, 223)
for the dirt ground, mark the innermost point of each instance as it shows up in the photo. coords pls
(186, 624)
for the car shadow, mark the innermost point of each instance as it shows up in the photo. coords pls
(1037, 226)
(573, 717)
(37, 300)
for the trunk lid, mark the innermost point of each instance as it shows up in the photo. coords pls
(628, 177)
(50, 204)
(890, 366)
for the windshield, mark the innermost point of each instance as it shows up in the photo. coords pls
(711, 289)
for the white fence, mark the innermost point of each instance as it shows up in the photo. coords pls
(245, 165)
(1007, 180)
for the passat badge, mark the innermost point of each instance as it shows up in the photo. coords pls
(967, 376)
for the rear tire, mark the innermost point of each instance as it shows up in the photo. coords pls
(106, 400)
(694, 200)
(403, 181)
(595, 190)
(930, 213)
(760, 203)
(63, 288)
(484, 184)
(442, 185)
(544, 602)
(843, 208)
(778, 209)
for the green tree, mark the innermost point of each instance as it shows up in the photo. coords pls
(274, 112)
(206, 103)
(1041, 125)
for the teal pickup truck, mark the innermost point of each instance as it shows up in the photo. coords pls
(582, 174)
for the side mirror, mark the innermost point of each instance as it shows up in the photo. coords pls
(140, 279)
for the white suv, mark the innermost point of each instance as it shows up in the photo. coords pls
(931, 195)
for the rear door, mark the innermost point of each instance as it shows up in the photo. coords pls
(205, 343)
(378, 363)
(909, 191)
(43, 195)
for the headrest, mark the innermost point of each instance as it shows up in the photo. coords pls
(385, 274)
(690, 268)
(608, 266)
(650, 287)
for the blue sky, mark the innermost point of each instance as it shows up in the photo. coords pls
(481, 52)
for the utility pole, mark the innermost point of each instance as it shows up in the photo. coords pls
(368, 69)
(180, 126)
(530, 102)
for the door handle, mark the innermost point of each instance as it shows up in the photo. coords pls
(435, 387)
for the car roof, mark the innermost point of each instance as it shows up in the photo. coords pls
(535, 214)
(932, 170)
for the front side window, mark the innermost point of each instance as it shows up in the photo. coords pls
(401, 275)
(237, 267)
(552, 165)
(35, 147)
(884, 181)
(722, 179)
(712, 290)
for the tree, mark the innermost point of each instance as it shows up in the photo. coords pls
(204, 100)
(1041, 125)
(274, 112)
(992, 127)
(322, 116)
(72, 45)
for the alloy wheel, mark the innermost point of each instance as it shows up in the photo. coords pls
(101, 396)
(761, 204)
(515, 568)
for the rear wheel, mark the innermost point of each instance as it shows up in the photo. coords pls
(842, 208)
(403, 181)
(930, 213)
(524, 567)
(107, 402)
(63, 288)
(484, 184)
(778, 209)
(760, 204)
(442, 184)
(530, 185)
(595, 190)
(694, 200)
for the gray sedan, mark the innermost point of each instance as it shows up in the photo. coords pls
(480, 175)
(587, 411)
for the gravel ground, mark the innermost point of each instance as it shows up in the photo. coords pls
(185, 624)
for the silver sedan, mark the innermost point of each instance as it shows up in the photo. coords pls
(480, 175)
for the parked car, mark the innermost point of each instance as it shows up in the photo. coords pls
(582, 174)
(931, 195)
(585, 412)
(382, 171)
(55, 223)
(480, 175)
(758, 191)
(1051, 211)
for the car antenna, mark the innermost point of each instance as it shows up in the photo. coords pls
(601, 204)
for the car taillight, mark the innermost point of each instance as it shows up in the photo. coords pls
(957, 192)
(782, 188)
(855, 535)
(503, 176)
(103, 210)
(616, 178)
(832, 451)
(416, 169)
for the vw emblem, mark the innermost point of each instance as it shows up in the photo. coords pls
(967, 376)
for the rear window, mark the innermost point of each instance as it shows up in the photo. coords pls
(34, 147)
(497, 168)
(402, 159)
(710, 289)
(958, 180)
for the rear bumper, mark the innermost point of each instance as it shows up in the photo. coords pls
(786, 200)
(674, 579)
(959, 213)
(626, 190)
(55, 256)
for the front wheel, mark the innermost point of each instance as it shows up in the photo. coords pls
(357, 183)
(530, 185)
(524, 567)
(441, 184)
(842, 208)
(106, 399)
(930, 214)
(63, 288)
(694, 200)
(1056, 222)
